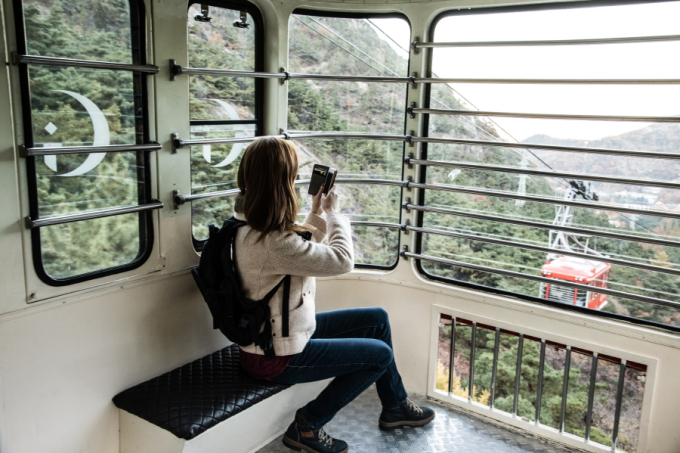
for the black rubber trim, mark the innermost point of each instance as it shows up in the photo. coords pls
(221, 122)
(347, 15)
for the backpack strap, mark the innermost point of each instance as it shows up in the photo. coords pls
(285, 306)
(265, 338)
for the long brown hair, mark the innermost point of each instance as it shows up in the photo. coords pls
(266, 178)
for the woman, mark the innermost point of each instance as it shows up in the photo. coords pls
(353, 346)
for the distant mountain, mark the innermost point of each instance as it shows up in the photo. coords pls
(657, 137)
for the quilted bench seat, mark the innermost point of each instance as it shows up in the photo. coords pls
(181, 410)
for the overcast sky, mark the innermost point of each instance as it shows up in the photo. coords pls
(643, 60)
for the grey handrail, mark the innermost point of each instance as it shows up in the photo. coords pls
(50, 151)
(56, 61)
(58, 220)
(553, 42)
(545, 226)
(552, 116)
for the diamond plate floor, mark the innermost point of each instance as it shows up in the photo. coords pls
(451, 431)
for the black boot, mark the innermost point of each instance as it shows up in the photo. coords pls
(300, 437)
(407, 414)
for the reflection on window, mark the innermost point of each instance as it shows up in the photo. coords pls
(80, 106)
(618, 61)
(220, 107)
(372, 47)
(214, 168)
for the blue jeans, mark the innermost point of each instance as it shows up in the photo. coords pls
(355, 347)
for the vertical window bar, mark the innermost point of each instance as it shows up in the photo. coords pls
(591, 395)
(619, 402)
(539, 386)
(496, 347)
(565, 387)
(518, 373)
(451, 367)
(472, 362)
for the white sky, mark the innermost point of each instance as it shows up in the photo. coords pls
(644, 60)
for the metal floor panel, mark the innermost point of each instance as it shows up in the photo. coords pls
(451, 431)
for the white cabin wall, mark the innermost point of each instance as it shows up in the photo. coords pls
(61, 366)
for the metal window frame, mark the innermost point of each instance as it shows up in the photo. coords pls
(425, 143)
(141, 71)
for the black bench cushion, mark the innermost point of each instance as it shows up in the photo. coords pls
(197, 396)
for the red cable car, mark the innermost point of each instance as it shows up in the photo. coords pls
(577, 270)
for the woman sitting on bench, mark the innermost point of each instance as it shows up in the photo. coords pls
(352, 346)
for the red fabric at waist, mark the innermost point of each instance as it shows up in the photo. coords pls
(260, 368)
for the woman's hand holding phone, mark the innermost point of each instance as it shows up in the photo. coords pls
(316, 202)
(327, 203)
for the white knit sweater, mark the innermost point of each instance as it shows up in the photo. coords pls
(261, 266)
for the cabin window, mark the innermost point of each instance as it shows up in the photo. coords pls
(600, 112)
(356, 46)
(83, 80)
(223, 37)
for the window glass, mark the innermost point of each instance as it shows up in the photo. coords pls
(67, 184)
(370, 47)
(219, 44)
(77, 248)
(220, 107)
(80, 29)
(646, 60)
(81, 106)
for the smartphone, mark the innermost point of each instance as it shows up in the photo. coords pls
(322, 175)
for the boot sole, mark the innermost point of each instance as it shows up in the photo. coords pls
(390, 426)
(290, 443)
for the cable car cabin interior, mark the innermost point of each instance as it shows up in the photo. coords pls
(467, 136)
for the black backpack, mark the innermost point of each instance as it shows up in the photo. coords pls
(237, 317)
